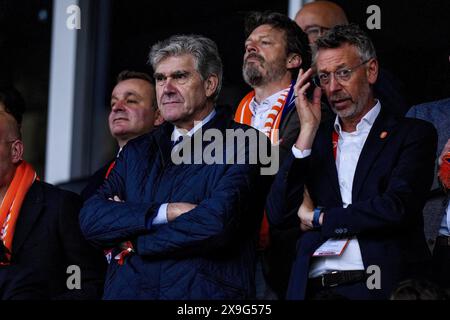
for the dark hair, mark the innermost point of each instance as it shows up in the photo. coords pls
(130, 74)
(13, 102)
(296, 39)
(342, 34)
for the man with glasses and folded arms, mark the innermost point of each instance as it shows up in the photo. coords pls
(367, 173)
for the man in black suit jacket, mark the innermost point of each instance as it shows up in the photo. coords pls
(367, 173)
(41, 239)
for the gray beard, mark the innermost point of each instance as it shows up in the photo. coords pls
(252, 76)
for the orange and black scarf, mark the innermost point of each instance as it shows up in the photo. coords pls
(272, 124)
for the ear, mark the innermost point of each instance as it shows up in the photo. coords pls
(211, 85)
(372, 71)
(293, 61)
(159, 120)
(17, 151)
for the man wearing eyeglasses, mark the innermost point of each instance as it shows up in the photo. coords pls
(367, 173)
(317, 17)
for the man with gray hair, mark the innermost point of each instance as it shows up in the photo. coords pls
(316, 18)
(181, 230)
(367, 173)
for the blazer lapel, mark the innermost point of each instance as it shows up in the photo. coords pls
(326, 140)
(378, 136)
(31, 209)
(162, 137)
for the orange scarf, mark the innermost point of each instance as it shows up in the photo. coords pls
(244, 114)
(12, 203)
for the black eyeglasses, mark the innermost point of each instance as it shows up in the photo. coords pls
(314, 32)
(342, 75)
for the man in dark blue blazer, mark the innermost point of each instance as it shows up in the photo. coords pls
(182, 229)
(367, 175)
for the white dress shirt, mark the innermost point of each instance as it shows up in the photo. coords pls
(350, 145)
(262, 110)
(161, 217)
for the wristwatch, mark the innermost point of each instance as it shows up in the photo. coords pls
(316, 216)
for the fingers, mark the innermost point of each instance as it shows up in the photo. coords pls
(302, 83)
(115, 198)
(445, 150)
(317, 95)
(305, 227)
(303, 78)
(305, 215)
(302, 92)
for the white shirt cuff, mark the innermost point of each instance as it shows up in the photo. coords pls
(161, 217)
(299, 154)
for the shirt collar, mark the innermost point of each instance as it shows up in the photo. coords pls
(267, 103)
(181, 132)
(118, 152)
(365, 123)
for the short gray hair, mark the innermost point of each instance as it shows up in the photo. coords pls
(204, 51)
(345, 34)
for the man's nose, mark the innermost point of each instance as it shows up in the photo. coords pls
(334, 84)
(312, 38)
(119, 105)
(169, 86)
(251, 47)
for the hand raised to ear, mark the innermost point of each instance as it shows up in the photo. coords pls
(309, 112)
